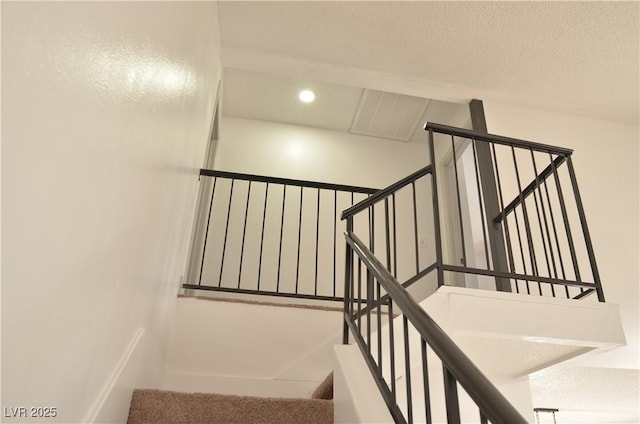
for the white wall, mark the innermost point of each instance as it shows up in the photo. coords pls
(293, 151)
(239, 348)
(606, 162)
(356, 398)
(106, 113)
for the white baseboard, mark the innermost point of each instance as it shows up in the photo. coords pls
(112, 403)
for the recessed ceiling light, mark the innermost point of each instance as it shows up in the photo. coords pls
(307, 96)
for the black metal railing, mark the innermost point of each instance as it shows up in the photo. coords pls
(514, 216)
(536, 244)
(271, 236)
(387, 349)
(399, 227)
(490, 212)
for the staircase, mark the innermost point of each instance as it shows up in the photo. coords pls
(525, 238)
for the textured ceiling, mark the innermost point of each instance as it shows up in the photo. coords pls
(575, 56)
(571, 388)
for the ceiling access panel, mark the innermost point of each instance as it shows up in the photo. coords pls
(388, 115)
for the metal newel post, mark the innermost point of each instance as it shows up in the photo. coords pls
(436, 211)
(348, 281)
(585, 230)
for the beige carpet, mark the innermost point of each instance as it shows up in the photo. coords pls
(325, 389)
(163, 407)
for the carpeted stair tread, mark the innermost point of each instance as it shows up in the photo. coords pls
(325, 389)
(165, 407)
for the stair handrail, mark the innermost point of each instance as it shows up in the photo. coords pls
(286, 181)
(526, 192)
(385, 192)
(498, 139)
(493, 405)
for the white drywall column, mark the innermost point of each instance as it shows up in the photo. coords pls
(356, 397)
(105, 120)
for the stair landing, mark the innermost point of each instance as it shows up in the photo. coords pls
(516, 335)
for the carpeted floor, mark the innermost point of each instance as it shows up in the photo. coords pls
(164, 407)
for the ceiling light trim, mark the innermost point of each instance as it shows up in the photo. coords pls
(307, 96)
